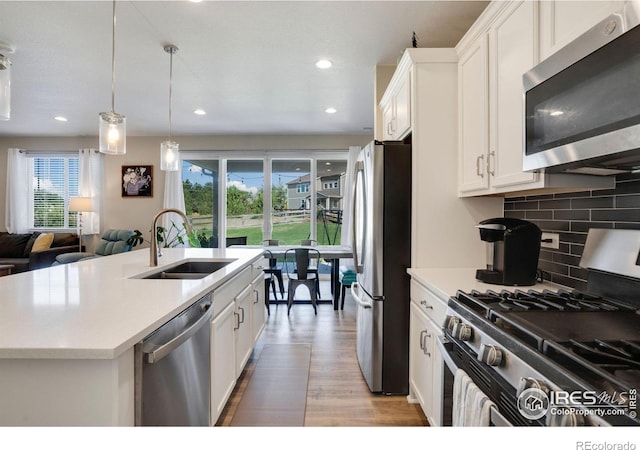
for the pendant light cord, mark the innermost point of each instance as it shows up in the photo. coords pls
(171, 49)
(170, 90)
(113, 60)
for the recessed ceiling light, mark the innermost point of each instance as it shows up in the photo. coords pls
(328, 170)
(323, 64)
(327, 163)
(330, 110)
(199, 112)
(195, 1)
(60, 118)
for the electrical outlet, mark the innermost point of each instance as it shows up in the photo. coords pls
(550, 240)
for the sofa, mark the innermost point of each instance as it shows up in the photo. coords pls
(111, 243)
(16, 249)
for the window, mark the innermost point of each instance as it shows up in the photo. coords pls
(55, 180)
(264, 195)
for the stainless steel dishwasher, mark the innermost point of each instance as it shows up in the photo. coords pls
(172, 370)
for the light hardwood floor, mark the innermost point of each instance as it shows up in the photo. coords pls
(337, 394)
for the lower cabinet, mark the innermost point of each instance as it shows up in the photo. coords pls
(237, 322)
(243, 332)
(424, 364)
(223, 359)
(258, 309)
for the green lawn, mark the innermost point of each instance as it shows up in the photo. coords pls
(287, 233)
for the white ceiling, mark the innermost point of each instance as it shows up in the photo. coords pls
(250, 65)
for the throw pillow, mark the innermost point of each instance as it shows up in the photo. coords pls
(43, 242)
(12, 245)
(30, 242)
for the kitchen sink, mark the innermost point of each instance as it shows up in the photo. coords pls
(189, 270)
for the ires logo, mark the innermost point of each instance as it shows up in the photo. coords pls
(534, 403)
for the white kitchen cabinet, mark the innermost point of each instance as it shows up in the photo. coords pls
(396, 106)
(473, 120)
(498, 49)
(258, 309)
(562, 21)
(427, 315)
(490, 87)
(243, 332)
(223, 366)
(231, 337)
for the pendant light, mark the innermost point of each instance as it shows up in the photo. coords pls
(113, 126)
(169, 158)
(5, 81)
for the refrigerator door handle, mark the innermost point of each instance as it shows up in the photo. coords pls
(357, 296)
(359, 168)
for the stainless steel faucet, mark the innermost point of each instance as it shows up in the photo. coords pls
(153, 262)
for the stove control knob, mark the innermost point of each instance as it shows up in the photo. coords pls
(527, 383)
(490, 354)
(462, 331)
(450, 322)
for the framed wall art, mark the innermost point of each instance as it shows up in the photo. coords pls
(137, 181)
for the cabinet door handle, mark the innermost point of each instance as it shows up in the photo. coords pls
(478, 172)
(237, 321)
(389, 128)
(492, 154)
(241, 320)
(257, 296)
(423, 344)
(426, 305)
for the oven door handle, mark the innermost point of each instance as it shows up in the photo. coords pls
(441, 341)
(496, 419)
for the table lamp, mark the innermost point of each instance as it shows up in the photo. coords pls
(80, 205)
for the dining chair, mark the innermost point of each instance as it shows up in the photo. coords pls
(269, 282)
(273, 268)
(296, 263)
(313, 265)
(236, 240)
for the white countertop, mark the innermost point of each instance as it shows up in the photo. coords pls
(445, 282)
(93, 309)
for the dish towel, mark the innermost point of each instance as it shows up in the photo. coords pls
(471, 406)
(460, 383)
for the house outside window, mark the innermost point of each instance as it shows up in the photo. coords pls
(55, 180)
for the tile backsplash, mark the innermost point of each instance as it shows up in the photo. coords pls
(571, 215)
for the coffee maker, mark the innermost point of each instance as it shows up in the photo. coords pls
(513, 248)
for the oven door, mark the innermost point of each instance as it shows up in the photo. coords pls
(456, 357)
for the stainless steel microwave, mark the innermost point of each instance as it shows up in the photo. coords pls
(582, 104)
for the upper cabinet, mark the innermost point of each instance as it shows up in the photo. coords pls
(563, 21)
(440, 220)
(396, 105)
(499, 48)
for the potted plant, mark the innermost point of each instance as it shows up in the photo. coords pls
(167, 237)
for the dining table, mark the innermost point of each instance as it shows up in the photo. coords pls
(330, 253)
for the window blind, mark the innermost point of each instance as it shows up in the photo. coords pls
(55, 180)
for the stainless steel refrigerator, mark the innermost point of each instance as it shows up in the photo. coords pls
(382, 254)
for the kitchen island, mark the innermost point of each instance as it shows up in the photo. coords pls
(67, 333)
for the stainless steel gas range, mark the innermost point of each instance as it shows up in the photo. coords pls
(552, 357)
